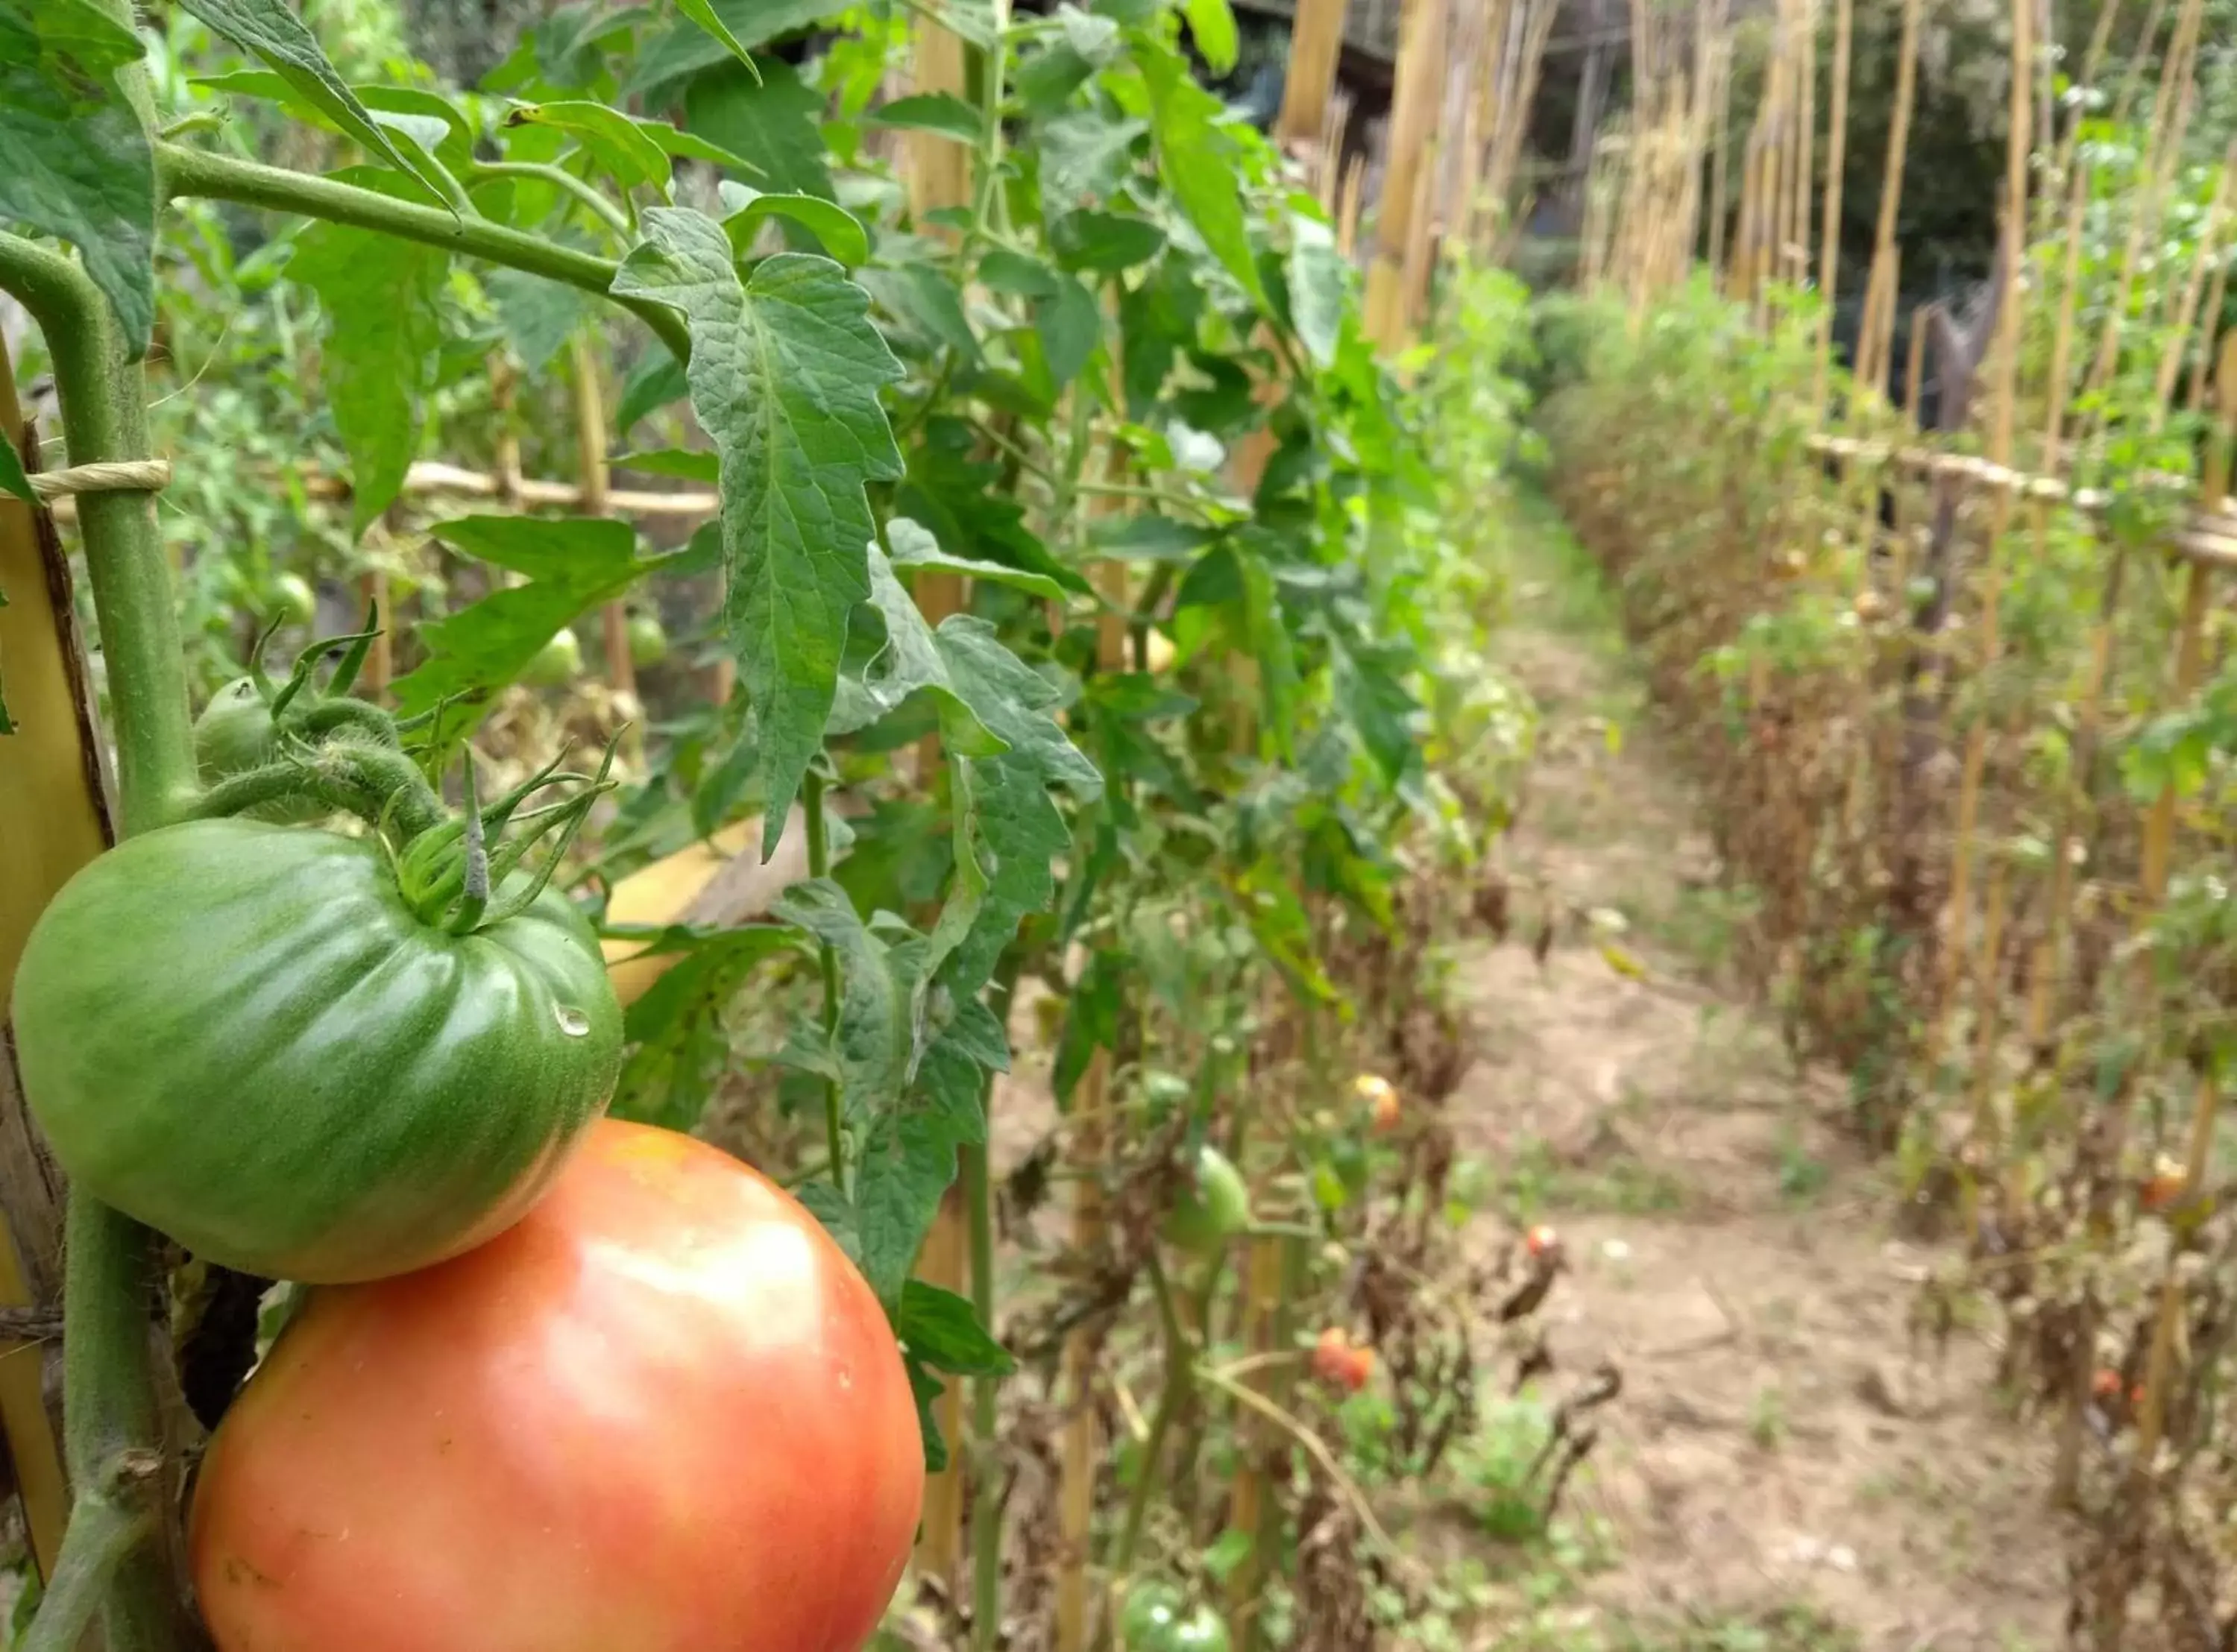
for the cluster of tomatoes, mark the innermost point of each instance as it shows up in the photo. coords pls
(560, 1382)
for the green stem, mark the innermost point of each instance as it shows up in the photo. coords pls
(195, 172)
(559, 178)
(104, 420)
(819, 866)
(986, 1505)
(1180, 1373)
(103, 1532)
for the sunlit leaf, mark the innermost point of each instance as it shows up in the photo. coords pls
(785, 375)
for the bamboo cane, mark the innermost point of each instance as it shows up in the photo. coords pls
(1829, 252)
(1414, 111)
(1879, 293)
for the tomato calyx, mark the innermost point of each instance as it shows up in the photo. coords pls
(450, 873)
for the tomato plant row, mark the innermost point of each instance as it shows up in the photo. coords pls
(329, 1015)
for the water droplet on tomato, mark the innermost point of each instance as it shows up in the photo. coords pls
(574, 1022)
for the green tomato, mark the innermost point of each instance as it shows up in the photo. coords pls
(648, 641)
(235, 734)
(1211, 1211)
(556, 663)
(1156, 1619)
(240, 1034)
(293, 597)
(1147, 1620)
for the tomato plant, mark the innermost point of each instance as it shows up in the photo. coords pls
(530, 1449)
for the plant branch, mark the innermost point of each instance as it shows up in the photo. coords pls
(104, 1530)
(559, 178)
(196, 171)
(104, 420)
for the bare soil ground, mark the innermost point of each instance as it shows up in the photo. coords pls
(1780, 1471)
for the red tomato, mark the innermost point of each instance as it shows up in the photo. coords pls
(1337, 1361)
(663, 1413)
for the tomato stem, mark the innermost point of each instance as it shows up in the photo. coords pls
(103, 1532)
(218, 177)
(1181, 1380)
(109, 1409)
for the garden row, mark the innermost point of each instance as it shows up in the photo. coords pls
(1960, 699)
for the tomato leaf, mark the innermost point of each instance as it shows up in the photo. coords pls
(274, 33)
(1009, 829)
(914, 547)
(1105, 241)
(680, 1048)
(881, 995)
(378, 294)
(703, 13)
(686, 49)
(1212, 24)
(840, 233)
(941, 112)
(909, 661)
(773, 120)
(905, 1161)
(79, 165)
(1320, 292)
(943, 1330)
(1196, 159)
(656, 381)
(927, 1388)
(537, 316)
(620, 146)
(572, 564)
(785, 373)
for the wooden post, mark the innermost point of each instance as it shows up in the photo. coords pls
(1414, 103)
(1873, 347)
(54, 818)
(1836, 155)
(939, 176)
(596, 485)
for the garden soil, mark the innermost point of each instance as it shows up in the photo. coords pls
(1792, 1453)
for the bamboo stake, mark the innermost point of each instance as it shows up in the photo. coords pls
(1316, 45)
(1879, 294)
(593, 498)
(1720, 166)
(1805, 137)
(54, 818)
(1829, 252)
(1414, 111)
(1346, 220)
(2000, 446)
(939, 176)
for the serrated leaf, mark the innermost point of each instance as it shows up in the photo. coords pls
(78, 162)
(915, 546)
(378, 294)
(621, 148)
(881, 1001)
(773, 121)
(1197, 158)
(669, 59)
(1010, 827)
(943, 1330)
(680, 1046)
(1086, 154)
(275, 34)
(539, 316)
(959, 499)
(839, 230)
(923, 301)
(656, 381)
(905, 1161)
(1105, 241)
(1212, 24)
(940, 112)
(926, 1389)
(688, 464)
(785, 373)
(909, 661)
(703, 13)
(572, 564)
(1070, 325)
(1320, 292)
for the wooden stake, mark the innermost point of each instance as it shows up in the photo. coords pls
(1415, 105)
(594, 483)
(54, 818)
(1880, 294)
(1829, 249)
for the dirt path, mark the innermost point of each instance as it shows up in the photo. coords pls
(1778, 1475)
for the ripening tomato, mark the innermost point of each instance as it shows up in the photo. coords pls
(241, 1035)
(293, 598)
(1213, 1206)
(1339, 1361)
(663, 1413)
